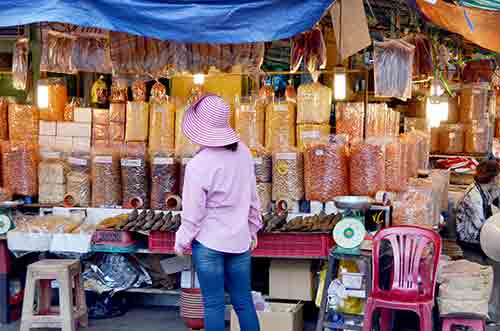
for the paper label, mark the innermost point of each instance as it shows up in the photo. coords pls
(257, 160)
(320, 152)
(51, 155)
(77, 161)
(286, 156)
(280, 107)
(186, 160)
(103, 159)
(131, 162)
(310, 134)
(163, 160)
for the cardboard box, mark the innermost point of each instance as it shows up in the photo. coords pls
(82, 115)
(70, 129)
(291, 280)
(282, 317)
(46, 141)
(47, 128)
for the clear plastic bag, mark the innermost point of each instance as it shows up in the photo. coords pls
(139, 90)
(393, 68)
(264, 192)
(78, 185)
(326, 172)
(99, 92)
(69, 109)
(106, 178)
(310, 134)
(392, 123)
(280, 125)
(91, 55)
(250, 121)
(441, 179)
(57, 49)
(23, 122)
(162, 124)
(137, 121)
(117, 112)
(119, 90)
(423, 148)
(473, 105)
(412, 208)
(58, 97)
(20, 64)
(430, 188)
(411, 156)
(263, 165)
(314, 102)
(394, 177)
(376, 120)
(350, 119)
(20, 168)
(164, 178)
(183, 146)
(367, 169)
(52, 168)
(288, 175)
(477, 137)
(435, 133)
(4, 119)
(135, 177)
(451, 138)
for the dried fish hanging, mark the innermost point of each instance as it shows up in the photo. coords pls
(393, 68)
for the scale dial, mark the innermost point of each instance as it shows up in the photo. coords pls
(349, 233)
(4, 224)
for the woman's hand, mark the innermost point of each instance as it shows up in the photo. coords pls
(254, 244)
(179, 250)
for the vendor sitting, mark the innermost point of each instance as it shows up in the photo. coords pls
(479, 203)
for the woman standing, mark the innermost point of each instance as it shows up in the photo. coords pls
(221, 213)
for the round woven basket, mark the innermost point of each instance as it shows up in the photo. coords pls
(191, 306)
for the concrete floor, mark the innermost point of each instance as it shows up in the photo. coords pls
(140, 319)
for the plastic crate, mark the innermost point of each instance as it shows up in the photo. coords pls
(113, 238)
(162, 242)
(294, 245)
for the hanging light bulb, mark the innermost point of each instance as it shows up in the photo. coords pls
(199, 79)
(42, 94)
(339, 83)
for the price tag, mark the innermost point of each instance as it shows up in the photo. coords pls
(257, 160)
(286, 156)
(310, 134)
(131, 162)
(77, 161)
(103, 159)
(320, 152)
(51, 155)
(280, 107)
(163, 160)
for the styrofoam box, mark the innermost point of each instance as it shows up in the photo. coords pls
(82, 115)
(47, 141)
(81, 143)
(29, 242)
(47, 128)
(64, 143)
(70, 129)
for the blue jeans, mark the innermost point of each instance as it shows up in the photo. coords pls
(218, 271)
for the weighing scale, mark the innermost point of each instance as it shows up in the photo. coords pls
(6, 222)
(350, 232)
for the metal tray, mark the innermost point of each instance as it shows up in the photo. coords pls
(353, 202)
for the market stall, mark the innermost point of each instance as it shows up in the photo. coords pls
(348, 135)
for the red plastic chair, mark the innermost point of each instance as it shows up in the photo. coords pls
(412, 283)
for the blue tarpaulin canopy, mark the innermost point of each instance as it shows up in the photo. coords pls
(212, 21)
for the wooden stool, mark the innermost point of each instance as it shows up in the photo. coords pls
(72, 309)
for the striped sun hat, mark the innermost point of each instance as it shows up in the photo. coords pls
(206, 122)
